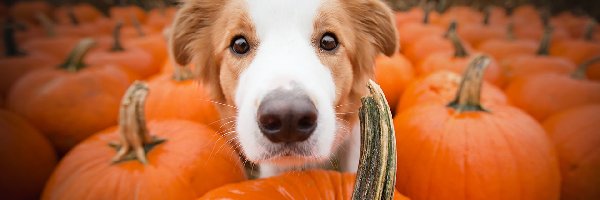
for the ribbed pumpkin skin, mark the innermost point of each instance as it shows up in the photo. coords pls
(503, 154)
(440, 87)
(576, 136)
(171, 99)
(191, 162)
(27, 158)
(315, 184)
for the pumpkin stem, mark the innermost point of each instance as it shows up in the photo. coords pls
(72, 17)
(459, 48)
(135, 140)
(10, 43)
(451, 29)
(182, 73)
(442, 5)
(469, 91)
(589, 30)
(510, 7)
(47, 23)
(486, 15)
(544, 49)
(74, 61)
(581, 71)
(138, 26)
(426, 11)
(117, 46)
(545, 15)
(376, 175)
(510, 31)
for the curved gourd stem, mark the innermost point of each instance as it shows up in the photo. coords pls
(486, 15)
(469, 92)
(72, 16)
(451, 29)
(581, 71)
(74, 61)
(376, 175)
(135, 140)
(427, 11)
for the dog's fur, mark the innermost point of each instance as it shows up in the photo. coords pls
(284, 36)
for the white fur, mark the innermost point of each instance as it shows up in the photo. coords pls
(285, 55)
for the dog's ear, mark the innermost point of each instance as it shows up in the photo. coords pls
(191, 27)
(374, 21)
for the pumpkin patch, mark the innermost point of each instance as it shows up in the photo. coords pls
(482, 100)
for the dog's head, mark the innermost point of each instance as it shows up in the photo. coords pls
(293, 70)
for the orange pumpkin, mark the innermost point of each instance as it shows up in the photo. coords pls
(544, 94)
(427, 45)
(576, 135)
(71, 102)
(136, 60)
(527, 65)
(27, 158)
(477, 33)
(393, 74)
(127, 14)
(585, 47)
(25, 11)
(502, 49)
(410, 32)
(456, 62)
(461, 14)
(14, 64)
(463, 150)
(440, 87)
(171, 92)
(77, 14)
(314, 184)
(172, 159)
(160, 18)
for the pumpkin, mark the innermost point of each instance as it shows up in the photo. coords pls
(461, 14)
(477, 33)
(136, 60)
(72, 101)
(576, 135)
(440, 87)
(533, 64)
(410, 32)
(179, 96)
(127, 14)
(15, 63)
(544, 94)
(161, 17)
(427, 45)
(585, 48)
(531, 24)
(27, 158)
(314, 184)
(25, 11)
(171, 159)
(502, 49)
(457, 61)
(155, 44)
(463, 150)
(77, 14)
(393, 74)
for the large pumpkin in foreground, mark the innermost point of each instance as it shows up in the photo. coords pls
(164, 160)
(576, 136)
(315, 184)
(27, 158)
(464, 151)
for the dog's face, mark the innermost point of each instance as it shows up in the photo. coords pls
(293, 70)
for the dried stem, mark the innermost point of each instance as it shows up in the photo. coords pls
(10, 43)
(74, 61)
(581, 71)
(469, 91)
(47, 23)
(544, 48)
(459, 48)
(588, 35)
(117, 46)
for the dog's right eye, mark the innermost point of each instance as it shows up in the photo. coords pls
(239, 45)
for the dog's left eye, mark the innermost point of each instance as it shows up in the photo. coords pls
(328, 42)
(239, 45)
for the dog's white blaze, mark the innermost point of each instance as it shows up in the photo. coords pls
(285, 55)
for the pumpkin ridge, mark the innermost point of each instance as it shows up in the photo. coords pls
(468, 97)
(512, 153)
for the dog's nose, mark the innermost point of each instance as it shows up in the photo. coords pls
(287, 116)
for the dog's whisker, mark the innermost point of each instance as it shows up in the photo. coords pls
(346, 104)
(225, 118)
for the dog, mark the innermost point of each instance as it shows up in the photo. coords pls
(290, 74)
